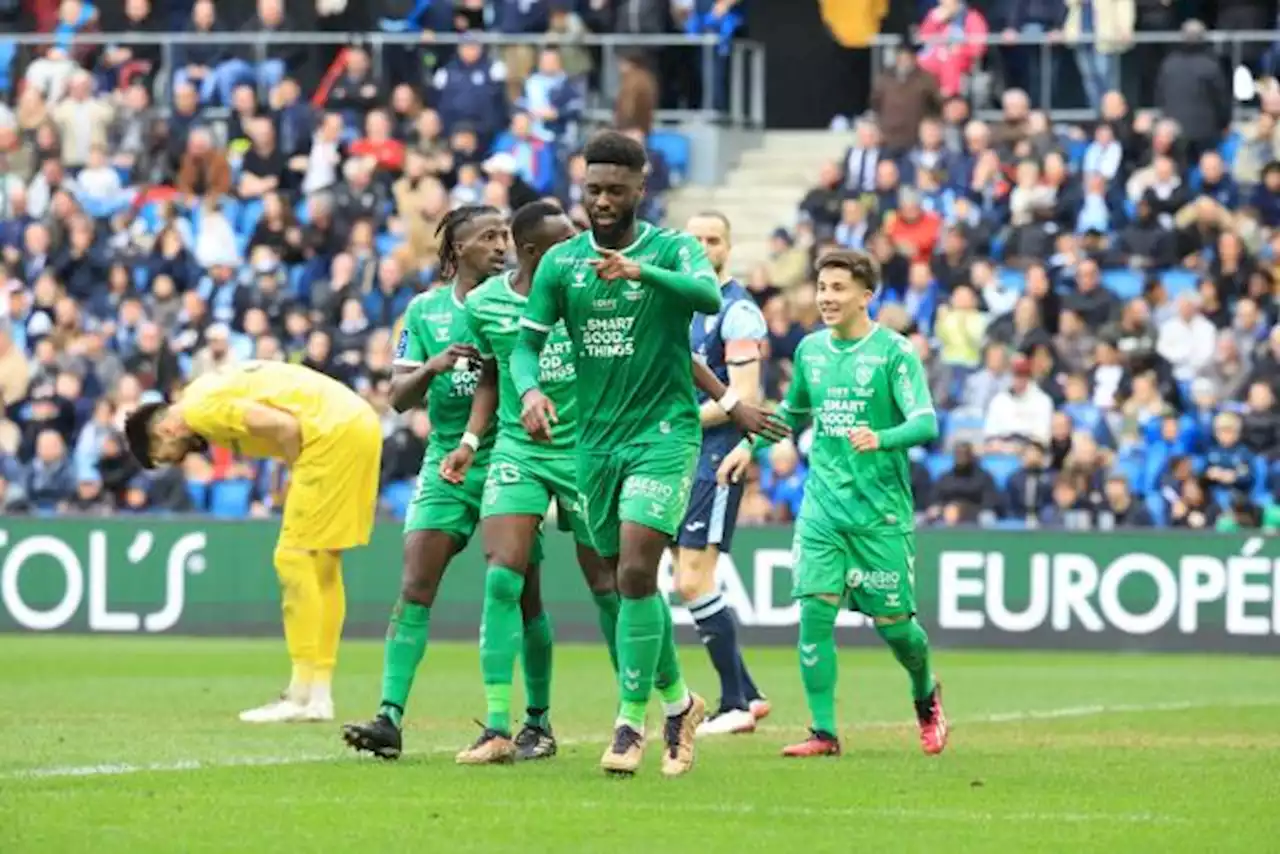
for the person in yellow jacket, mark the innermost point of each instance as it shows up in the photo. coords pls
(331, 440)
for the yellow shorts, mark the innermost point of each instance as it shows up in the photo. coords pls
(333, 489)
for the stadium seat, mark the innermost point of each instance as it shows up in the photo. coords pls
(1001, 467)
(396, 497)
(676, 150)
(1133, 467)
(199, 493)
(1009, 524)
(387, 243)
(8, 50)
(1179, 281)
(1261, 492)
(1126, 284)
(1155, 506)
(1014, 280)
(964, 425)
(1229, 147)
(229, 499)
(939, 464)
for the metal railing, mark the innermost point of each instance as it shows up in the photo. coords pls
(1232, 47)
(742, 92)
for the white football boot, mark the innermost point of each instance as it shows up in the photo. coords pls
(729, 722)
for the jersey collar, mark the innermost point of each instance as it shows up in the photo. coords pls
(642, 231)
(831, 340)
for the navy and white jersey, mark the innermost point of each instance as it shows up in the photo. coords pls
(738, 319)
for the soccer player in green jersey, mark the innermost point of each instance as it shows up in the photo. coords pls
(437, 362)
(626, 292)
(865, 391)
(526, 476)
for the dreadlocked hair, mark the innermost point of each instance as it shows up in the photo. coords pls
(447, 231)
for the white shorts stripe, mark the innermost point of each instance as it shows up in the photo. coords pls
(719, 514)
(534, 325)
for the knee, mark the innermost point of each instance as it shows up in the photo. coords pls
(418, 587)
(503, 585)
(600, 577)
(693, 578)
(636, 582)
(292, 565)
(818, 612)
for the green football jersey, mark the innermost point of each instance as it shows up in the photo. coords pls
(631, 341)
(493, 312)
(878, 382)
(432, 322)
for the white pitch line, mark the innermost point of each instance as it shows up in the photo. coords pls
(124, 768)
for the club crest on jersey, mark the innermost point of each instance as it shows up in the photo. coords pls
(863, 374)
(579, 279)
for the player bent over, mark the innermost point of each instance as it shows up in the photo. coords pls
(524, 477)
(331, 440)
(865, 391)
(728, 344)
(437, 362)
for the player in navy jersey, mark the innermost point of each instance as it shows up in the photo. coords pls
(729, 343)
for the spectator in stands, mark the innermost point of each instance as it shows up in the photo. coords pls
(263, 168)
(960, 329)
(1260, 423)
(824, 206)
(1105, 155)
(14, 371)
(1192, 90)
(1229, 463)
(471, 89)
(83, 120)
(204, 173)
(1019, 414)
(355, 93)
(378, 145)
(782, 481)
(907, 96)
(862, 159)
(913, 230)
(1188, 340)
(954, 37)
(534, 157)
(1068, 508)
(637, 99)
(968, 488)
(50, 480)
(121, 64)
(1142, 411)
(1095, 304)
(200, 62)
(1029, 489)
(1119, 508)
(1192, 507)
(982, 386)
(1260, 145)
(1101, 30)
(553, 98)
(503, 170)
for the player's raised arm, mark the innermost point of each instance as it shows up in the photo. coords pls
(413, 371)
(542, 311)
(484, 404)
(686, 273)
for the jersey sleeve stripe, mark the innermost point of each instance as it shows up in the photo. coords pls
(534, 325)
(488, 357)
(407, 363)
(924, 410)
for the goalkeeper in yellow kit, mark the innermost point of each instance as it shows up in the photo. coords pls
(331, 440)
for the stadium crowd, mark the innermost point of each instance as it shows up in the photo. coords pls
(1096, 304)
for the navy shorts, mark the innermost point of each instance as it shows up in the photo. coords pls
(711, 517)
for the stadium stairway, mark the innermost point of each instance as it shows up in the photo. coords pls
(762, 191)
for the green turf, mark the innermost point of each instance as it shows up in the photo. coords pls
(1071, 753)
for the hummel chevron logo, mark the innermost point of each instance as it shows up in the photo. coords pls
(809, 662)
(633, 674)
(808, 648)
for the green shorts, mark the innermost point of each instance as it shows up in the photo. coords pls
(643, 484)
(521, 486)
(871, 573)
(438, 505)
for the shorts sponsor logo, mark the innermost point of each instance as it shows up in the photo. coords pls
(876, 579)
(638, 486)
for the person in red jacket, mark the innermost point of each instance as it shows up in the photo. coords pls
(953, 36)
(912, 229)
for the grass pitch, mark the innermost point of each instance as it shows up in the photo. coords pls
(132, 745)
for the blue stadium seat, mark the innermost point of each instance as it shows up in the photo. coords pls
(1014, 280)
(1010, 524)
(229, 499)
(1001, 467)
(1133, 467)
(8, 50)
(1155, 506)
(1126, 284)
(1179, 281)
(1261, 493)
(199, 493)
(939, 464)
(396, 497)
(1229, 147)
(675, 149)
(246, 217)
(964, 425)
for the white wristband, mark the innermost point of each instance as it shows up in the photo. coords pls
(729, 401)
(471, 440)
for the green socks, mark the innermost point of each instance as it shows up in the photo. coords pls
(640, 637)
(607, 606)
(501, 636)
(406, 645)
(537, 669)
(910, 645)
(818, 660)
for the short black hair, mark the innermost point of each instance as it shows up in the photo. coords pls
(614, 148)
(137, 431)
(529, 217)
(861, 266)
